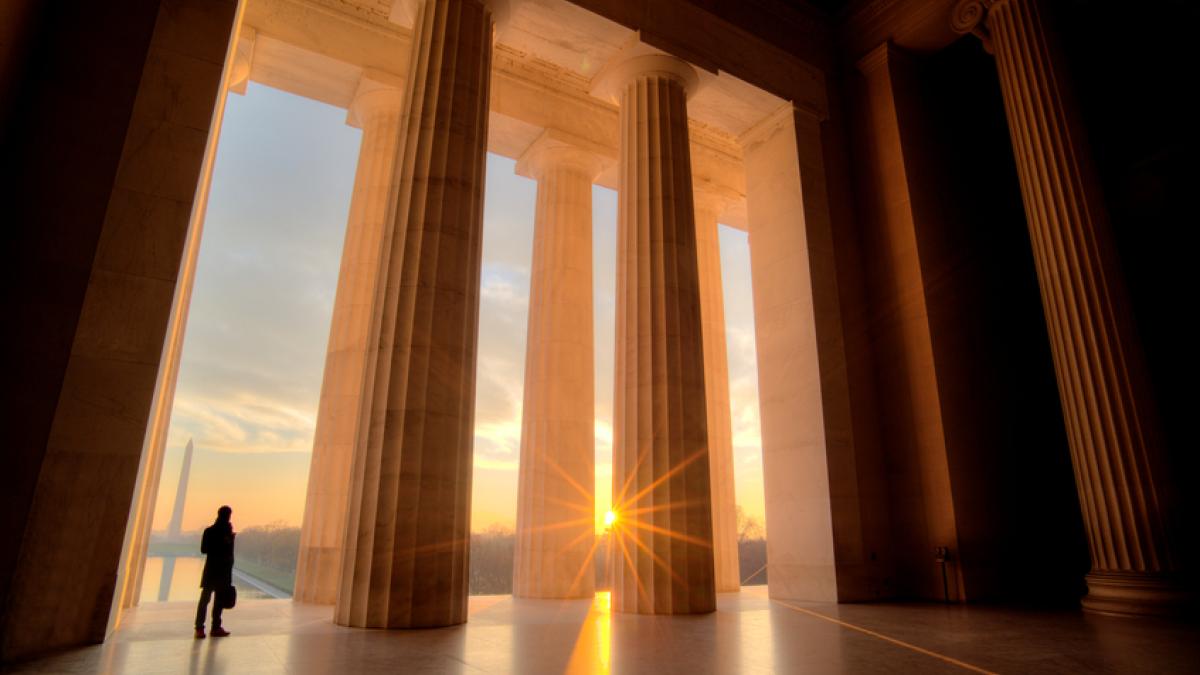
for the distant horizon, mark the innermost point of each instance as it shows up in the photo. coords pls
(163, 533)
(254, 350)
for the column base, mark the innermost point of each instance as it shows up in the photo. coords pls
(1135, 594)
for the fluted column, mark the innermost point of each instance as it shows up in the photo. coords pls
(556, 488)
(1107, 402)
(663, 558)
(407, 538)
(376, 110)
(709, 205)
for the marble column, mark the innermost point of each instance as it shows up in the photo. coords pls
(1112, 427)
(556, 488)
(709, 205)
(408, 529)
(662, 557)
(376, 110)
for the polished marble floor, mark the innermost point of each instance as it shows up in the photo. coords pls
(748, 634)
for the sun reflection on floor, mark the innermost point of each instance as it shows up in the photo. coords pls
(593, 647)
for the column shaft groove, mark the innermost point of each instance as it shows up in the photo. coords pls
(556, 490)
(323, 530)
(662, 557)
(1107, 402)
(407, 539)
(716, 388)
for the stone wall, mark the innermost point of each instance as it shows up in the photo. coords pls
(101, 158)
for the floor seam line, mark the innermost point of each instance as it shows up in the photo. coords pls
(885, 638)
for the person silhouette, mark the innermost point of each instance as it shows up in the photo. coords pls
(217, 544)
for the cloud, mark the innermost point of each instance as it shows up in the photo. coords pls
(505, 289)
(500, 368)
(496, 464)
(243, 422)
(498, 441)
(255, 349)
(604, 437)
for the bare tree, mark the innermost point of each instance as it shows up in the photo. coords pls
(748, 527)
(752, 550)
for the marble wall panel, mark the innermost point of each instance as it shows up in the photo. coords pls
(79, 497)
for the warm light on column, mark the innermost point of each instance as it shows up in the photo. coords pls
(1113, 427)
(710, 202)
(376, 110)
(556, 527)
(405, 563)
(661, 551)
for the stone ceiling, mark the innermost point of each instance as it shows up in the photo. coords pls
(546, 56)
(372, 10)
(559, 35)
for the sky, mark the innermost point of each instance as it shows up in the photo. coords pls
(254, 348)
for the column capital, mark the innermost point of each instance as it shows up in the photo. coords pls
(404, 12)
(970, 16)
(885, 54)
(712, 198)
(378, 91)
(243, 60)
(1136, 545)
(638, 59)
(556, 148)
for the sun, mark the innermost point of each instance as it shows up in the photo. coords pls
(610, 518)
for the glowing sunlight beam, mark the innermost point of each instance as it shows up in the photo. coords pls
(632, 568)
(587, 496)
(559, 525)
(620, 496)
(702, 452)
(569, 504)
(587, 565)
(670, 533)
(662, 564)
(593, 646)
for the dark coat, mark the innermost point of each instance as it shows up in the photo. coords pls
(217, 544)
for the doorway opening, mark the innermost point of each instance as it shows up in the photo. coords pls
(241, 426)
(762, 123)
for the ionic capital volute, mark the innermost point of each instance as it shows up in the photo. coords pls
(970, 16)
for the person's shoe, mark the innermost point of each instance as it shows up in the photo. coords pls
(219, 632)
(199, 633)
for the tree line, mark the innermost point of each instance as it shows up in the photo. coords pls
(491, 564)
(272, 552)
